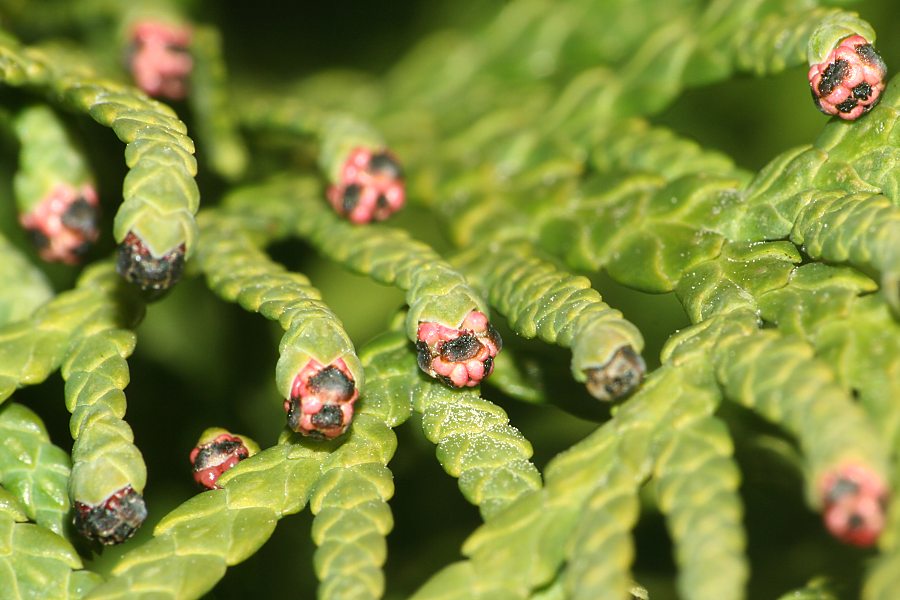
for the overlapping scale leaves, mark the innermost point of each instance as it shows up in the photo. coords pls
(105, 460)
(34, 469)
(35, 347)
(314, 335)
(350, 500)
(35, 562)
(534, 171)
(160, 196)
(476, 444)
(242, 515)
(17, 302)
(539, 300)
(36, 558)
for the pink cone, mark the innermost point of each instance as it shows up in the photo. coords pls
(159, 59)
(849, 82)
(210, 460)
(63, 225)
(370, 188)
(460, 357)
(322, 398)
(855, 502)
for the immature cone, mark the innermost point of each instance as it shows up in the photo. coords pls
(321, 402)
(855, 502)
(370, 188)
(618, 378)
(153, 275)
(63, 225)
(160, 60)
(459, 357)
(849, 82)
(114, 520)
(217, 451)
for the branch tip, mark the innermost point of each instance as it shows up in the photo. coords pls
(64, 224)
(618, 378)
(370, 188)
(854, 504)
(459, 357)
(153, 275)
(212, 456)
(322, 398)
(114, 520)
(849, 82)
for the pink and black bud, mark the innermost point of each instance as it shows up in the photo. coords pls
(321, 402)
(460, 357)
(64, 224)
(854, 504)
(618, 378)
(159, 59)
(212, 457)
(112, 521)
(849, 82)
(370, 187)
(153, 275)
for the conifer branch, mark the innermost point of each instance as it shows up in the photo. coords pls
(105, 462)
(33, 469)
(531, 139)
(314, 337)
(31, 288)
(34, 348)
(36, 562)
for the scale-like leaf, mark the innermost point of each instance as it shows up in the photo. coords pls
(160, 196)
(601, 550)
(32, 349)
(434, 291)
(522, 548)
(350, 499)
(853, 332)
(861, 229)
(352, 515)
(780, 378)
(31, 289)
(196, 542)
(476, 443)
(105, 460)
(736, 278)
(696, 482)
(540, 300)
(33, 468)
(36, 562)
(238, 271)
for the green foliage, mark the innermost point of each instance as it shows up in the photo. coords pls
(35, 470)
(31, 290)
(550, 153)
(47, 157)
(104, 457)
(36, 562)
(159, 194)
(476, 444)
(238, 271)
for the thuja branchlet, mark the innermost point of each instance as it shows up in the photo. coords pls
(509, 180)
